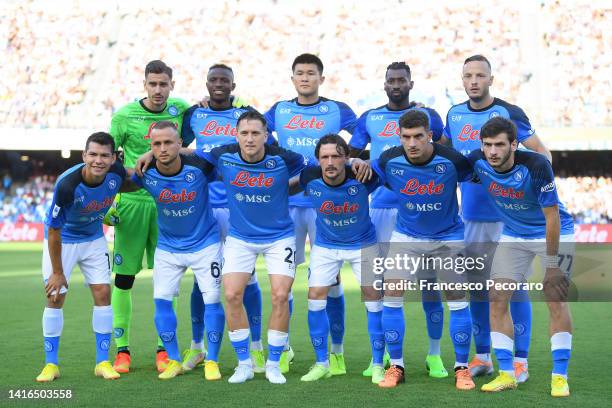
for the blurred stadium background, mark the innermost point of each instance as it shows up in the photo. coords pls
(69, 64)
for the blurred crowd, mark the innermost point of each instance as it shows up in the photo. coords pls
(584, 197)
(70, 53)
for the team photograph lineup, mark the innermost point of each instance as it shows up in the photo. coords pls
(212, 185)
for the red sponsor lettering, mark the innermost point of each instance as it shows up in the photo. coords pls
(413, 187)
(328, 207)
(148, 135)
(498, 191)
(167, 196)
(214, 129)
(244, 179)
(391, 129)
(297, 122)
(21, 232)
(95, 205)
(468, 133)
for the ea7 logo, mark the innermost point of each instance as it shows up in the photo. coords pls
(548, 188)
(377, 117)
(455, 118)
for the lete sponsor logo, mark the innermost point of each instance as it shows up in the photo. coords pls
(213, 128)
(468, 133)
(414, 187)
(298, 122)
(245, 179)
(499, 191)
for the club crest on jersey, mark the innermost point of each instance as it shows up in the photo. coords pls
(190, 177)
(270, 164)
(112, 184)
(352, 190)
(518, 176)
(493, 114)
(323, 109)
(440, 168)
(173, 110)
(237, 113)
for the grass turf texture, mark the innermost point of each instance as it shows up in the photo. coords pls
(22, 302)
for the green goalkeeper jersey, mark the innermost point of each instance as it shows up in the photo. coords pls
(131, 126)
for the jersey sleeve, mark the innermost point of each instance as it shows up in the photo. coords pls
(378, 166)
(295, 162)
(361, 137)
(435, 124)
(207, 168)
(520, 119)
(446, 131)
(270, 117)
(463, 166)
(348, 119)
(186, 131)
(373, 183)
(310, 173)
(543, 181)
(137, 180)
(63, 197)
(118, 129)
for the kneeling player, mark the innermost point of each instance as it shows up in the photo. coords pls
(188, 237)
(344, 233)
(535, 223)
(74, 235)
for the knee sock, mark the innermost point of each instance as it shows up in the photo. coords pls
(335, 314)
(102, 323)
(394, 327)
(520, 309)
(52, 323)
(318, 325)
(165, 321)
(375, 330)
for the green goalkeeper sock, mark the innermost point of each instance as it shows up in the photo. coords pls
(160, 343)
(121, 300)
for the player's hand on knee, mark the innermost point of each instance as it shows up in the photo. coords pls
(54, 284)
(143, 162)
(556, 285)
(362, 170)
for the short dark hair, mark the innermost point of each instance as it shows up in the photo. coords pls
(220, 66)
(101, 138)
(308, 59)
(399, 65)
(252, 115)
(477, 57)
(496, 126)
(165, 124)
(333, 138)
(158, 67)
(414, 118)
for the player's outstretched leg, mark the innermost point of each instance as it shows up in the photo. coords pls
(165, 322)
(335, 314)
(53, 323)
(394, 327)
(196, 353)
(318, 325)
(460, 329)
(214, 319)
(434, 318)
(121, 301)
(377, 339)
(520, 309)
(253, 306)
(102, 323)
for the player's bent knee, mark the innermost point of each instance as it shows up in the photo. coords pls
(279, 297)
(317, 292)
(56, 304)
(101, 294)
(234, 296)
(124, 282)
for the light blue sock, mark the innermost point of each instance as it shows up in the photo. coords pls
(520, 309)
(253, 305)
(434, 318)
(51, 349)
(335, 314)
(197, 314)
(481, 328)
(240, 341)
(394, 327)
(165, 321)
(214, 318)
(561, 347)
(460, 328)
(318, 325)
(503, 346)
(102, 346)
(377, 336)
(102, 323)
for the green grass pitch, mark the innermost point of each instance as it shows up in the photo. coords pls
(22, 301)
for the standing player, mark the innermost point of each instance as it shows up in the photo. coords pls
(210, 127)
(483, 225)
(344, 233)
(137, 230)
(73, 235)
(256, 178)
(380, 128)
(188, 237)
(299, 124)
(522, 185)
(424, 177)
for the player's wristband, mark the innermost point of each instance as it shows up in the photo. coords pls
(551, 261)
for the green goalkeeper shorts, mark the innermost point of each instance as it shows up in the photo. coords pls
(136, 232)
